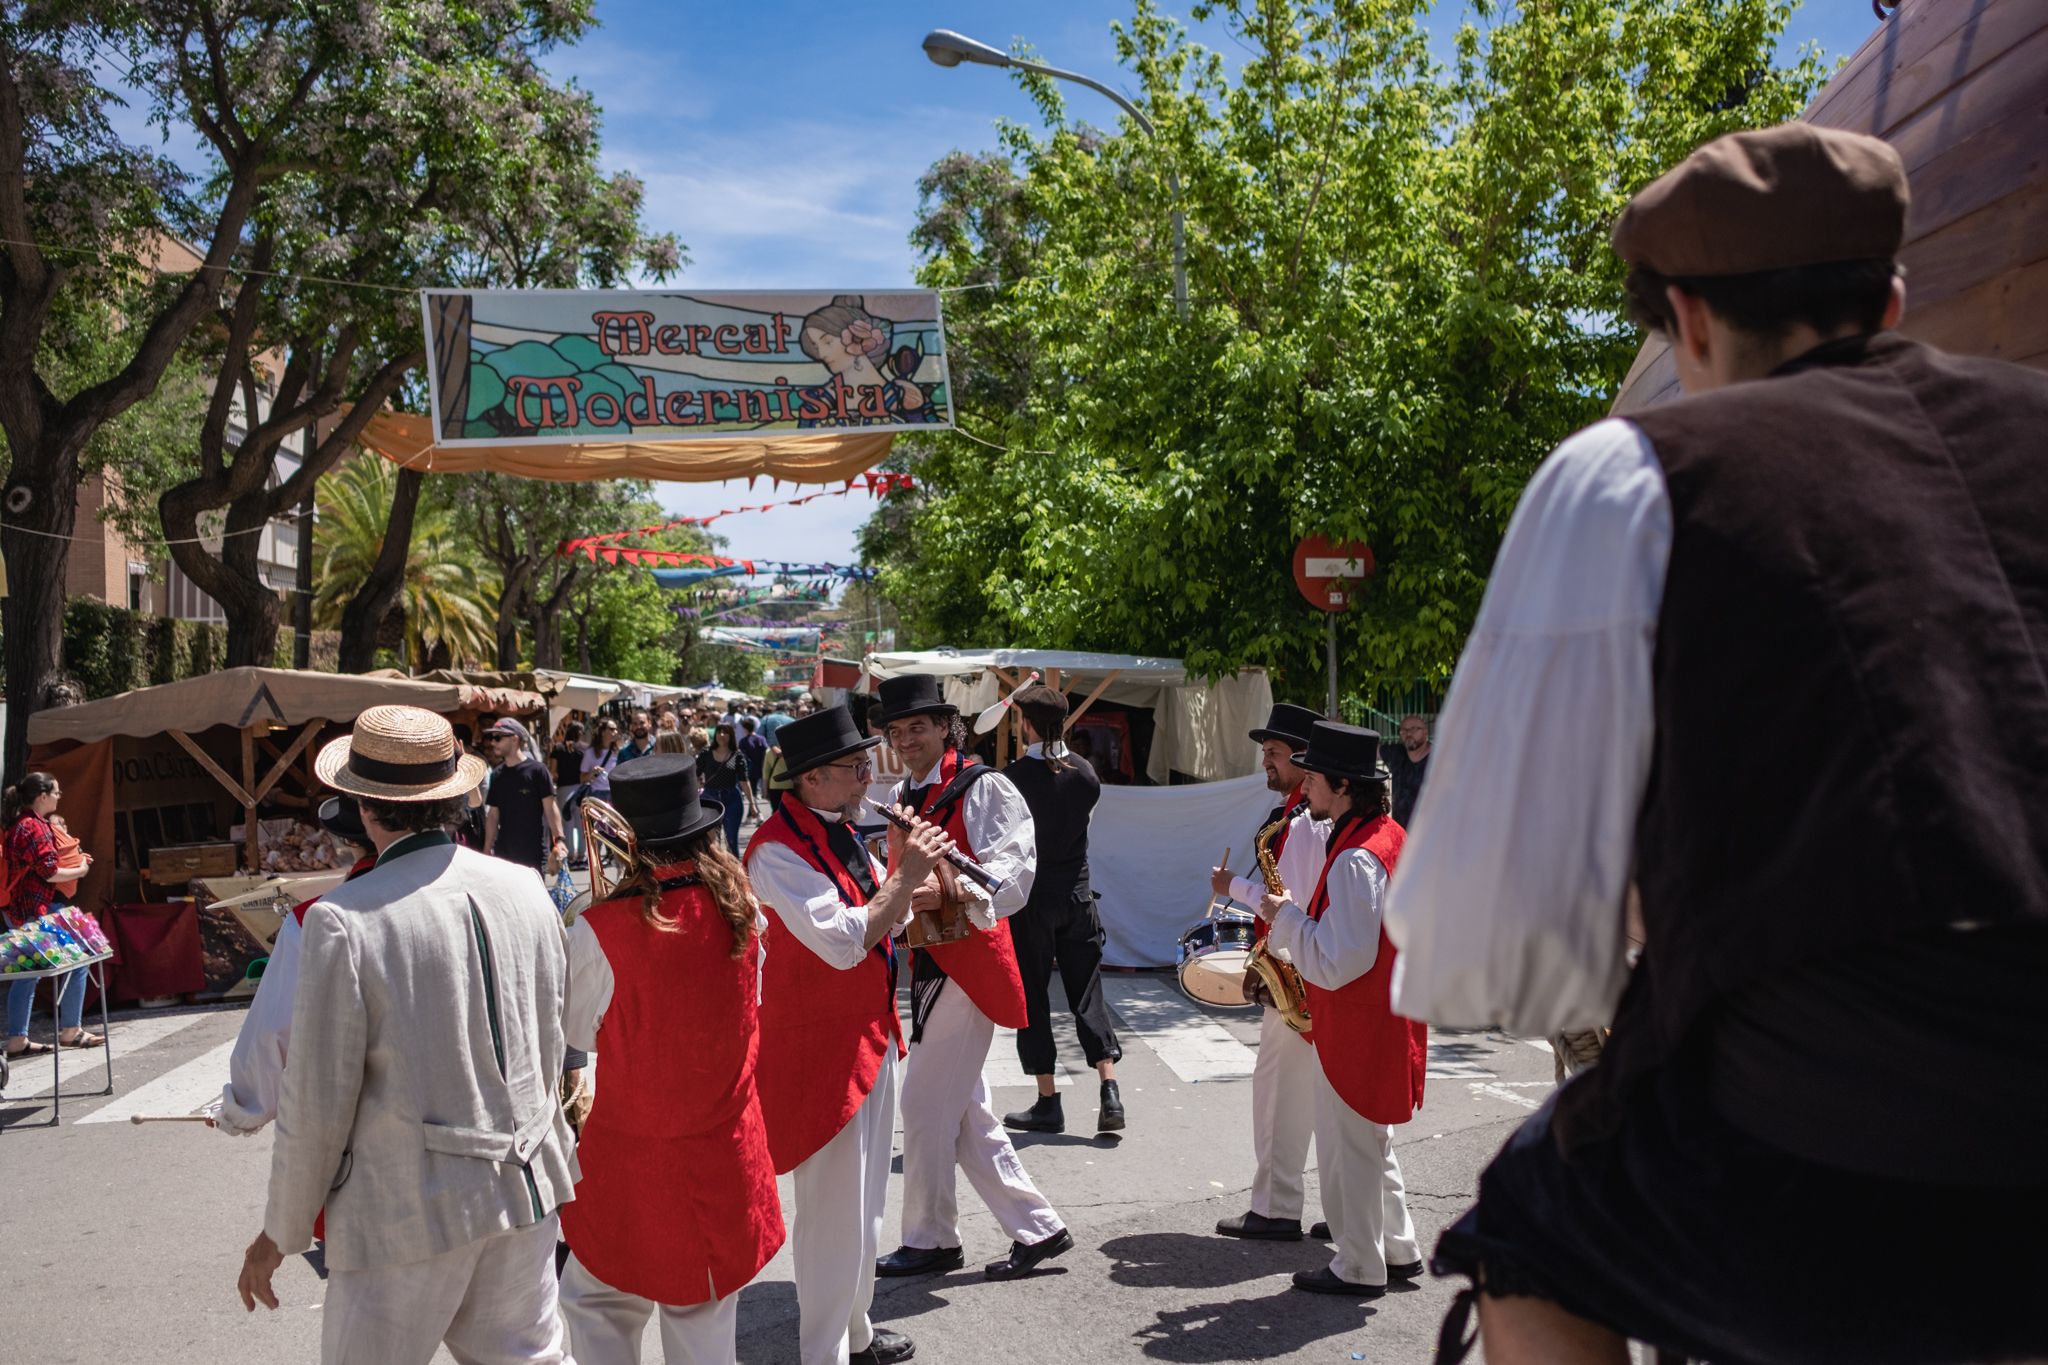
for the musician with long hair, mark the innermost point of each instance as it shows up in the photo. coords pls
(676, 1211)
(830, 1037)
(960, 989)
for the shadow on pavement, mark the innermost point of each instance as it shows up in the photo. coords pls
(1249, 1329)
(1185, 1260)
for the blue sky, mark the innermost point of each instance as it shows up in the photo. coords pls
(782, 141)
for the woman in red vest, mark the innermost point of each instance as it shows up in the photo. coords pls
(676, 1210)
(1370, 1061)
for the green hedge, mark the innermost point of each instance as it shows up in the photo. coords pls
(111, 649)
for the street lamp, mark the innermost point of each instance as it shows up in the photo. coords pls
(947, 48)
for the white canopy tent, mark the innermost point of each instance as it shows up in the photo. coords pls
(1149, 848)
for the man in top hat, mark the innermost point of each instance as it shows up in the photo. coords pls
(256, 1067)
(959, 992)
(1845, 909)
(676, 1211)
(420, 1106)
(829, 1032)
(1369, 1061)
(1058, 924)
(1284, 1076)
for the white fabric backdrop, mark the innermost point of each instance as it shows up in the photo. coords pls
(1149, 854)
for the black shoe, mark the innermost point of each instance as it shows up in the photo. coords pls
(919, 1261)
(1325, 1281)
(1261, 1228)
(1319, 1233)
(1024, 1257)
(888, 1348)
(1409, 1270)
(1109, 1118)
(1044, 1116)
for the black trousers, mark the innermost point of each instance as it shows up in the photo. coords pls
(1066, 933)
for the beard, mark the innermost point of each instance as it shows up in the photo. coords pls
(1275, 782)
(1411, 745)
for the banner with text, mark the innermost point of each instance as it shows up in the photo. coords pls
(537, 366)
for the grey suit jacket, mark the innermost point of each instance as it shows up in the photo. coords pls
(421, 1101)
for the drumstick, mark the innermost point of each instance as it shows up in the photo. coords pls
(1210, 913)
(170, 1118)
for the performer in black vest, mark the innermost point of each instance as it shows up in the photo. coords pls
(1776, 651)
(1058, 925)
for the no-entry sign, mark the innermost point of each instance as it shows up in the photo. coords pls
(1329, 573)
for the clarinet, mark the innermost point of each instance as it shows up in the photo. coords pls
(966, 866)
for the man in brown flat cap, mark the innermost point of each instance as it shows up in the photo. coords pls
(1777, 655)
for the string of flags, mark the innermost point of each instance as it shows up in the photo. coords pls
(682, 569)
(873, 482)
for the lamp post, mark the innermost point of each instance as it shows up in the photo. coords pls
(947, 48)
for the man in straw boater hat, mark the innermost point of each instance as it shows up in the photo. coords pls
(959, 991)
(1058, 925)
(1775, 653)
(1369, 1061)
(1284, 1075)
(829, 1032)
(421, 1103)
(256, 1067)
(676, 1211)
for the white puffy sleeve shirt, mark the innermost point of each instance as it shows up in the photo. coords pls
(256, 1066)
(1508, 906)
(1300, 861)
(809, 902)
(1342, 946)
(1005, 842)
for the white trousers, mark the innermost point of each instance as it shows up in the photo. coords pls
(835, 1228)
(1283, 1116)
(607, 1324)
(1362, 1194)
(492, 1302)
(947, 1122)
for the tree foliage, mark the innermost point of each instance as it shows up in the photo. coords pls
(1401, 298)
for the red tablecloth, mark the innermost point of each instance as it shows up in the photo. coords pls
(156, 950)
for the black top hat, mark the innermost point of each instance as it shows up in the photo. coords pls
(659, 797)
(343, 818)
(914, 694)
(1344, 751)
(1287, 722)
(811, 741)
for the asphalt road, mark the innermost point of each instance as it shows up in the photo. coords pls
(122, 1242)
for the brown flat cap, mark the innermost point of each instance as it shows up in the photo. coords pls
(1769, 199)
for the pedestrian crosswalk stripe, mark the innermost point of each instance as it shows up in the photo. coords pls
(30, 1076)
(181, 1090)
(1192, 1044)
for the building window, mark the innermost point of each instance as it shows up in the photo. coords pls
(138, 587)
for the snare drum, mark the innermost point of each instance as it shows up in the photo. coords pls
(1213, 957)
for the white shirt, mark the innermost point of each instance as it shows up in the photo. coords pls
(1004, 841)
(1300, 861)
(591, 983)
(1509, 912)
(256, 1066)
(809, 904)
(1055, 749)
(1340, 947)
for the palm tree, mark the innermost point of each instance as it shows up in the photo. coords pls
(445, 602)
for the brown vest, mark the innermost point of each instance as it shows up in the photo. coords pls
(1851, 681)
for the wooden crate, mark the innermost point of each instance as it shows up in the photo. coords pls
(174, 863)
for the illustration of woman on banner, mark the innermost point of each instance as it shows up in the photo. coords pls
(853, 344)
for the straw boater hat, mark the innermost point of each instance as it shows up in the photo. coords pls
(399, 753)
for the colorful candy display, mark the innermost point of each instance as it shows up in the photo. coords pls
(58, 939)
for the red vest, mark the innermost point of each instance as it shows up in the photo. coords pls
(824, 1032)
(677, 1201)
(1375, 1059)
(984, 964)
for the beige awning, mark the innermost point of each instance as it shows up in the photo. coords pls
(407, 439)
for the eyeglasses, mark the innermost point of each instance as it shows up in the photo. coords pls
(860, 767)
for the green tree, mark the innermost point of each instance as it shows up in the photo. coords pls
(443, 608)
(1401, 299)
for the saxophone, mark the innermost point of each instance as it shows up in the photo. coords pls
(1283, 983)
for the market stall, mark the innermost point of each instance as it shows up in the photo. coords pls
(1180, 777)
(204, 789)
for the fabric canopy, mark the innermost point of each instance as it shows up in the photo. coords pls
(1076, 666)
(242, 697)
(407, 438)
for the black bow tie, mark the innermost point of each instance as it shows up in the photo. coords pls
(852, 855)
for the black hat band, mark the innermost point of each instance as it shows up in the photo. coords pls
(401, 774)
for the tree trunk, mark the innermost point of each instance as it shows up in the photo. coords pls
(508, 629)
(33, 610)
(583, 640)
(378, 594)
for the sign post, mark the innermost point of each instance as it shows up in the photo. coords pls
(1330, 575)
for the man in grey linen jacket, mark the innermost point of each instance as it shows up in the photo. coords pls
(421, 1104)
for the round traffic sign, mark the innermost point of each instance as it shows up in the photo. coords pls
(1330, 573)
